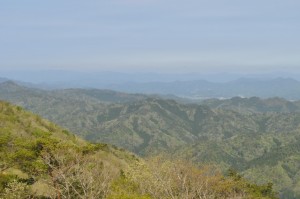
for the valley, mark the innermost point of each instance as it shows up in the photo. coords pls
(253, 136)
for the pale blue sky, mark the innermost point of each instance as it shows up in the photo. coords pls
(151, 35)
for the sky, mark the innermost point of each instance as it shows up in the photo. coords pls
(168, 36)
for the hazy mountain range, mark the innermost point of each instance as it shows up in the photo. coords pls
(96, 78)
(200, 89)
(254, 104)
(187, 86)
(3, 79)
(258, 137)
(39, 159)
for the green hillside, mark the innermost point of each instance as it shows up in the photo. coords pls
(261, 158)
(38, 158)
(41, 160)
(241, 140)
(254, 104)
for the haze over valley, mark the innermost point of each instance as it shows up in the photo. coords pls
(148, 99)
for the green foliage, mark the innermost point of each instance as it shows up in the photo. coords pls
(256, 191)
(90, 148)
(15, 190)
(41, 154)
(125, 189)
(252, 135)
(36, 154)
(159, 177)
(5, 137)
(42, 134)
(5, 179)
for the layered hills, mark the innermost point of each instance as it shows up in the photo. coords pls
(254, 104)
(38, 159)
(201, 89)
(254, 140)
(185, 85)
(41, 160)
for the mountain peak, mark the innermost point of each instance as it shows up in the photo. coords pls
(9, 83)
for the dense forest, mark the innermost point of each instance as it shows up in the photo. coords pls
(150, 99)
(259, 138)
(42, 160)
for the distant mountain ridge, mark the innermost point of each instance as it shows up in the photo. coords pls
(3, 79)
(279, 87)
(254, 104)
(34, 152)
(9, 91)
(38, 159)
(193, 87)
(252, 135)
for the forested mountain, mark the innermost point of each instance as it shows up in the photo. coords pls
(17, 92)
(41, 160)
(3, 79)
(253, 142)
(254, 104)
(192, 88)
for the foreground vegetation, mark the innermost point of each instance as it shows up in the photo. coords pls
(258, 138)
(40, 160)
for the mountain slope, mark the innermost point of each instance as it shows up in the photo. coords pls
(273, 154)
(3, 79)
(37, 156)
(254, 104)
(146, 127)
(14, 92)
(40, 160)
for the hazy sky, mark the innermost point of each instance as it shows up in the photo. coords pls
(151, 35)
